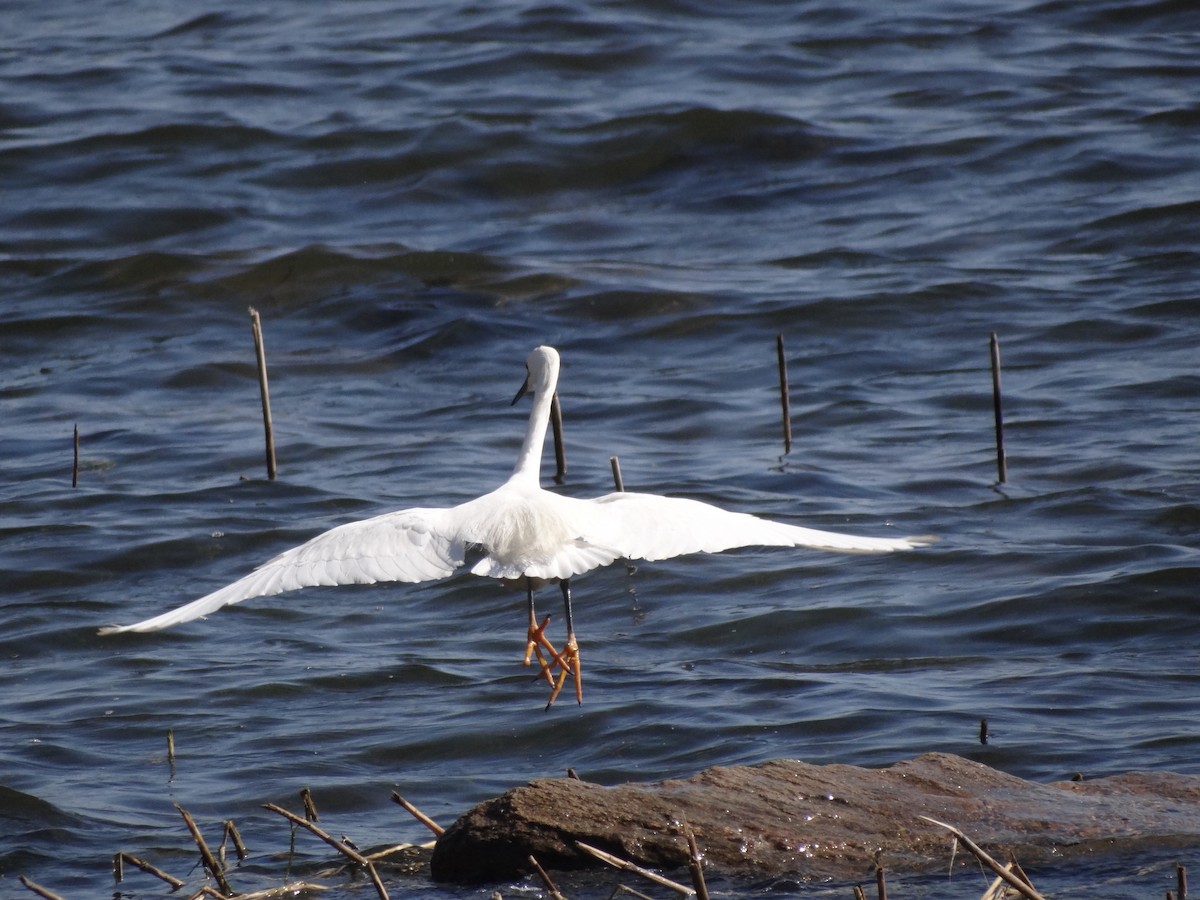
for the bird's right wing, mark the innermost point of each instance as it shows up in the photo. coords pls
(650, 527)
(410, 545)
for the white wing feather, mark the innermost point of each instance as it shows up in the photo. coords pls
(411, 545)
(650, 527)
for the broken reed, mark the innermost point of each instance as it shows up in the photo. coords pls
(342, 846)
(261, 354)
(75, 465)
(206, 856)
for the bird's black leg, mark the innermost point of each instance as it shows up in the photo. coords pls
(570, 655)
(536, 639)
(565, 587)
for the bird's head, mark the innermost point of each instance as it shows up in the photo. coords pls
(541, 372)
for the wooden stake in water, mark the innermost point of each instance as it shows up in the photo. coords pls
(75, 466)
(784, 399)
(256, 325)
(997, 405)
(341, 846)
(560, 453)
(616, 470)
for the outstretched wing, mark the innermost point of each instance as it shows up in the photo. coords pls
(648, 526)
(411, 545)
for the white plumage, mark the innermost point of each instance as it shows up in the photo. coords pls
(521, 534)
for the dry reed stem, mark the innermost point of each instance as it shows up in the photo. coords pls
(1017, 870)
(340, 846)
(550, 885)
(75, 464)
(45, 893)
(623, 889)
(880, 883)
(617, 863)
(695, 864)
(859, 893)
(998, 888)
(118, 873)
(310, 808)
(284, 890)
(382, 855)
(418, 815)
(1016, 883)
(206, 856)
(235, 836)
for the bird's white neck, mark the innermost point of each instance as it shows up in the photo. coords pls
(529, 459)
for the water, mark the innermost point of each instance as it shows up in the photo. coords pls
(415, 195)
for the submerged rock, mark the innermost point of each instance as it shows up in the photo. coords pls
(792, 818)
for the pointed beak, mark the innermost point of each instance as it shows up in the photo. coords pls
(521, 392)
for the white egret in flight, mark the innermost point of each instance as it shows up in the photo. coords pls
(523, 535)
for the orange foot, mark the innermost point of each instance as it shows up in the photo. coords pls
(568, 661)
(535, 642)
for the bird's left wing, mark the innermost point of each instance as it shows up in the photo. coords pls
(410, 545)
(649, 526)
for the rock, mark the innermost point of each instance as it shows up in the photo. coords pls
(790, 818)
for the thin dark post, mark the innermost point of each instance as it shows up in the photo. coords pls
(616, 469)
(560, 453)
(997, 404)
(256, 325)
(75, 466)
(783, 395)
(1181, 877)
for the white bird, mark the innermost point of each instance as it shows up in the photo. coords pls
(521, 534)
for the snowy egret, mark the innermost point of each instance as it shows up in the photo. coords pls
(523, 535)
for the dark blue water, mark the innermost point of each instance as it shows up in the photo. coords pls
(414, 196)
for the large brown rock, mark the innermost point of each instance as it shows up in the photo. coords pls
(787, 817)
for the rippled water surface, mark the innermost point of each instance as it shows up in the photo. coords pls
(414, 196)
